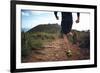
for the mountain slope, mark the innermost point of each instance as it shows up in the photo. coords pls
(44, 43)
(49, 28)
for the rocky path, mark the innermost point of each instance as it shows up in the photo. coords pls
(57, 51)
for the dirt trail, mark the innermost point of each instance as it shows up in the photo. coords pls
(57, 51)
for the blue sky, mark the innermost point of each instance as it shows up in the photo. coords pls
(31, 18)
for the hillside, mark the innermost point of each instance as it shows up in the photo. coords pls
(49, 28)
(45, 43)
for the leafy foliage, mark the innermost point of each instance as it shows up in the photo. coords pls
(82, 38)
(36, 37)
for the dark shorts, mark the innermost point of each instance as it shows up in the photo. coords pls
(66, 26)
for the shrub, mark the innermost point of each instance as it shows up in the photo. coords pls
(34, 41)
(35, 44)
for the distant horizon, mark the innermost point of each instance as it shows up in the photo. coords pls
(30, 19)
(27, 29)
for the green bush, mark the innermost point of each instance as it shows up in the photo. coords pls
(34, 41)
(25, 48)
(35, 44)
(81, 37)
(43, 36)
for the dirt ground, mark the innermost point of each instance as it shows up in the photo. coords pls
(57, 51)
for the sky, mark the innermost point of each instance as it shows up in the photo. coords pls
(31, 18)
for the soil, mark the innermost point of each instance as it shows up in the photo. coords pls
(57, 51)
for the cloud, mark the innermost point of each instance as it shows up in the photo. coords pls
(40, 12)
(25, 14)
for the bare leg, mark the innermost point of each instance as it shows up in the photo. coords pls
(67, 45)
(66, 41)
